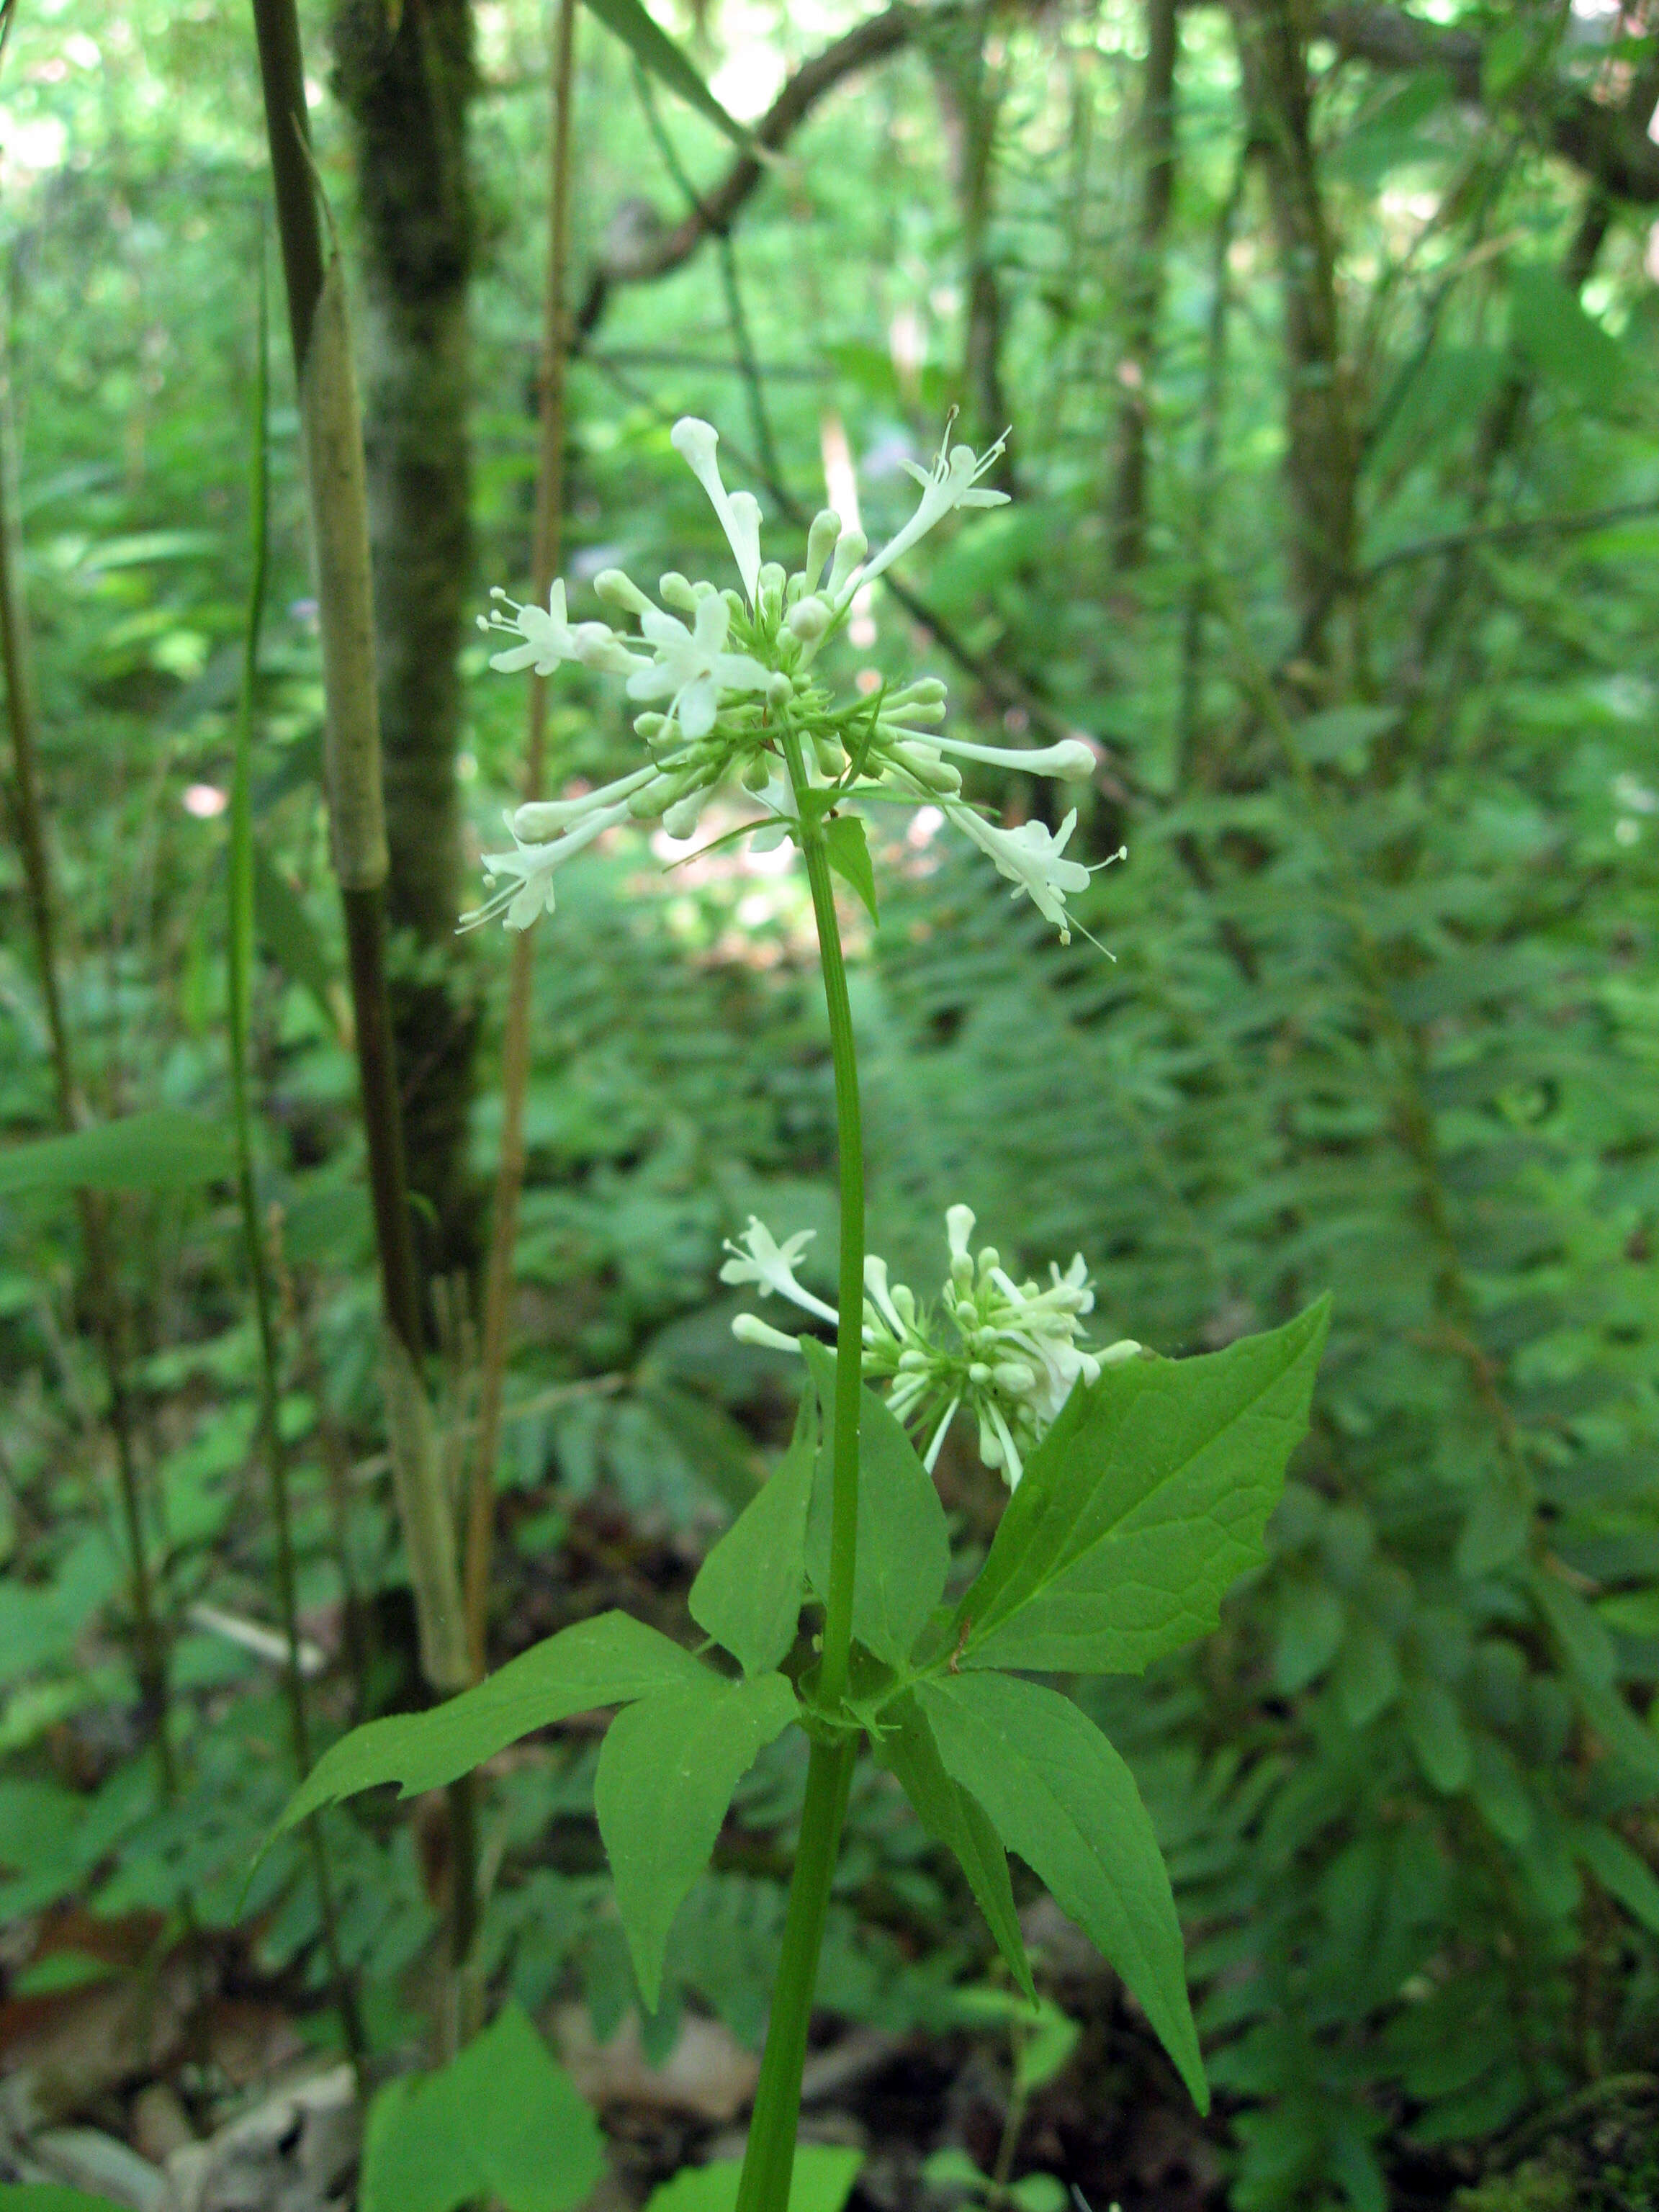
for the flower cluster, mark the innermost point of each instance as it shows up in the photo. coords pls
(1006, 1353)
(727, 682)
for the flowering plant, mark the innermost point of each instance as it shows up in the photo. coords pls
(736, 675)
(1139, 1486)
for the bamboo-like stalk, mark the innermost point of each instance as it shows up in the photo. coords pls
(102, 1295)
(240, 980)
(333, 449)
(515, 1042)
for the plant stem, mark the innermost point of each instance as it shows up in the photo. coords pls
(849, 1137)
(768, 2159)
(103, 1298)
(239, 979)
(515, 1042)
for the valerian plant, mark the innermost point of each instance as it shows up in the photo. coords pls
(1140, 1486)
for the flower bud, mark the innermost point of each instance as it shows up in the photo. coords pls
(758, 773)
(830, 757)
(821, 542)
(650, 798)
(680, 820)
(618, 589)
(780, 690)
(1014, 1377)
(1073, 759)
(650, 727)
(809, 618)
(850, 549)
(924, 764)
(675, 591)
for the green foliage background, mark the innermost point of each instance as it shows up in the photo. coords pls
(1382, 1016)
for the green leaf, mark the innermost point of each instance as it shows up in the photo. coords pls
(667, 1770)
(1621, 1873)
(1627, 1739)
(821, 2182)
(655, 51)
(1585, 1645)
(1552, 331)
(1142, 1504)
(748, 1591)
(1310, 1626)
(602, 1661)
(955, 1818)
(1039, 2192)
(1435, 1729)
(849, 856)
(1045, 2047)
(51, 2196)
(287, 934)
(904, 1546)
(1367, 1678)
(951, 2168)
(501, 2120)
(1061, 1797)
(161, 1150)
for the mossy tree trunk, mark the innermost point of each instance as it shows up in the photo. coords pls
(406, 77)
(1144, 293)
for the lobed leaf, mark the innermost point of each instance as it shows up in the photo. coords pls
(607, 1661)
(1143, 1503)
(1060, 1795)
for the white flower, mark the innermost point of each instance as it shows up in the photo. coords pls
(692, 668)
(952, 482)
(529, 893)
(758, 1258)
(550, 638)
(1030, 859)
(1071, 759)
(541, 818)
(740, 513)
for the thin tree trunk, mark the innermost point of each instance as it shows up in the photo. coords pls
(1321, 450)
(969, 96)
(1157, 141)
(407, 89)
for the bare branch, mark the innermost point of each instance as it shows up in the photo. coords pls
(660, 252)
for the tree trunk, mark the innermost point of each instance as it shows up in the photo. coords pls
(1321, 450)
(407, 89)
(1144, 293)
(969, 92)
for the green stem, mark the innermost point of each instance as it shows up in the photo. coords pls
(844, 1491)
(768, 2161)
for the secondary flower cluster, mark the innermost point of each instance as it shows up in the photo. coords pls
(1006, 1353)
(727, 682)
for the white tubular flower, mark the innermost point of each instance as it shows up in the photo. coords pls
(1071, 759)
(550, 638)
(750, 1329)
(692, 668)
(952, 482)
(541, 818)
(739, 515)
(758, 1258)
(1029, 857)
(529, 893)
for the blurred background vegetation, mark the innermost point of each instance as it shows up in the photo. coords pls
(1328, 335)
